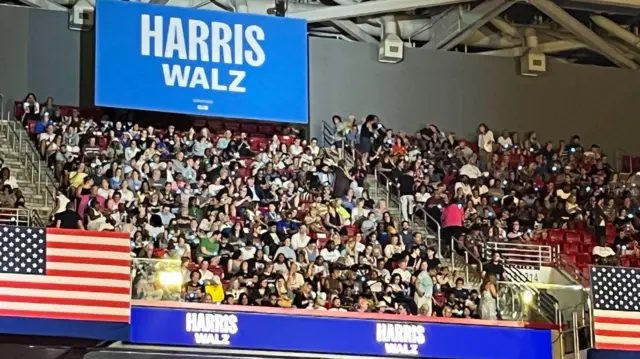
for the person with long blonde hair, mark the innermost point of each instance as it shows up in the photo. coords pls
(489, 296)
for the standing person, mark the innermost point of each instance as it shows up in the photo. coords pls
(424, 289)
(485, 145)
(452, 217)
(600, 222)
(367, 133)
(489, 295)
(342, 180)
(405, 184)
(339, 134)
(69, 218)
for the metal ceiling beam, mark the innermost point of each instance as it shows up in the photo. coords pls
(368, 8)
(45, 4)
(457, 24)
(583, 33)
(548, 48)
(616, 3)
(353, 30)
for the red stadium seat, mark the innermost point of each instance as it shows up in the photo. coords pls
(32, 126)
(572, 237)
(583, 260)
(571, 248)
(556, 235)
(322, 240)
(588, 238)
(249, 128)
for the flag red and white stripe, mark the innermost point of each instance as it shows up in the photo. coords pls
(616, 307)
(65, 274)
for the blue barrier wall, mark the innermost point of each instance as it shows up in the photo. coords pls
(302, 333)
(64, 328)
(201, 62)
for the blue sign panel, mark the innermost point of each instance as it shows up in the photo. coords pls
(209, 63)
(151, 325)
(64, 328)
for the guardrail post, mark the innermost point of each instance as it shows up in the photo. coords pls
(466, 267)
(39, 172)
(375, 181)
(453, 256)
(388, 191)
(46, 193)
(561, 333)
(592, 339)
(576, 336)
(540, 256)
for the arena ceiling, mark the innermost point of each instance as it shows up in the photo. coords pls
(596, 32)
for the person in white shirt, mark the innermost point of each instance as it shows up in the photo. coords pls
(505, 140)
(471, 169)
(315, 149)
(485, 144)
(466, 188)
(205, 273)
(402, 271)
(330, 253)
(248, 251)
(422, 196)
(300, 239)
(295, 149)
(464, 151)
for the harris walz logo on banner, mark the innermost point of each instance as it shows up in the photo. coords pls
(211, 329)
(400, 339)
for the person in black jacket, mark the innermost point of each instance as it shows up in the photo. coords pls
(600, 221)
(405, 186)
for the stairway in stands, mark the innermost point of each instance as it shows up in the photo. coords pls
(34, 179)
(379, 192)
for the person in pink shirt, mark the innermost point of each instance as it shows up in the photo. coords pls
(452, 217)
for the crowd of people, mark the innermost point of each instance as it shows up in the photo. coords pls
(286, 222)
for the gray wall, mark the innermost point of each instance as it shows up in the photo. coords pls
(38, 53)
(458, 91)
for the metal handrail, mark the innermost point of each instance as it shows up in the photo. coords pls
(328, 139)
(327, 134)
(16, 217)
(389, 198)
(427, 219)
(31, 161)
(522, 253)
(467, 254)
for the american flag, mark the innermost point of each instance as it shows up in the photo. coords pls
(616, 307)
(64, 274)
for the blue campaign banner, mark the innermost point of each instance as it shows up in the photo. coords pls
(201, 62)
(64, 328)
(346, 336)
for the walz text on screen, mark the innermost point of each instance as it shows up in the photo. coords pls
(201, 62)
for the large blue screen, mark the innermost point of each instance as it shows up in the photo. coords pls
(244, 330)
(201, 62)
